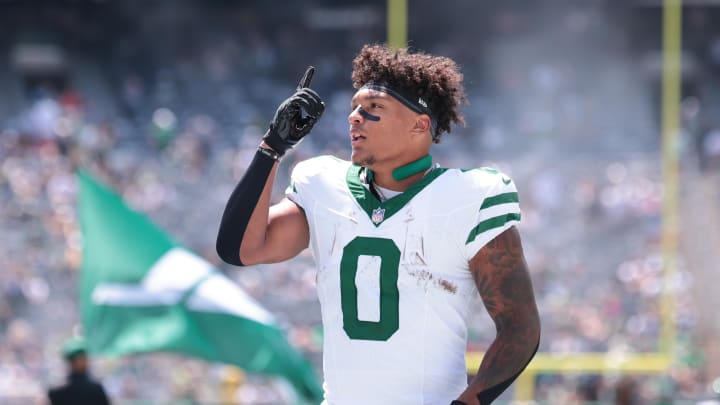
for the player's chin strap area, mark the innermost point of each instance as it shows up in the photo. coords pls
(241, 205)
(405, 171)
(487, 396)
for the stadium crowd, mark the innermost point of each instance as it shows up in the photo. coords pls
(169, 121)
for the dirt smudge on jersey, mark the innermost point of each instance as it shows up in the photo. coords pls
(426, 277)
(422, 275)
(447, 286)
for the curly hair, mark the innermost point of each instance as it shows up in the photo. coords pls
(434, 78)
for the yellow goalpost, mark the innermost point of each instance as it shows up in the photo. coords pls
(637, 363)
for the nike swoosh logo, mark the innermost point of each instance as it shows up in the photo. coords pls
(506, 180)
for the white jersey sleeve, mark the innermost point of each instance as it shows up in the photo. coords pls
(301, 190)
(496, 209)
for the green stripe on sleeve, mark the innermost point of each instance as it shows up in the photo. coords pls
(500, 199)
(491, 223)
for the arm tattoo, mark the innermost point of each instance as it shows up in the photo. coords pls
(504, 284)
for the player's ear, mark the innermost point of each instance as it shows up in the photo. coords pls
(422, 123)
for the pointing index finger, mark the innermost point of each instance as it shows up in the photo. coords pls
(307, 77)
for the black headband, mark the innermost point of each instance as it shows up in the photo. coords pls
(410, 100)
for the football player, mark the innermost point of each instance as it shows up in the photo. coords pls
(402, 245)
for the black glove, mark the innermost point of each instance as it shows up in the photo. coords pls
(289, 126)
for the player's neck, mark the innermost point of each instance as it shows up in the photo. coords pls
(404, 176)
(387, 181)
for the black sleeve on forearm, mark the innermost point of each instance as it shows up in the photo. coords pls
(240, 207)
(487, 396)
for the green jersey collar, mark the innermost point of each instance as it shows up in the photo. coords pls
(379, 211)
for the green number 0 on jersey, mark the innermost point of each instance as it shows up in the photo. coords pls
(389, 296)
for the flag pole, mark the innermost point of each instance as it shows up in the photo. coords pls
(671, 78)
(397, 23)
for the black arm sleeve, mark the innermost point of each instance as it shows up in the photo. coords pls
(487, 396)
(240, 207)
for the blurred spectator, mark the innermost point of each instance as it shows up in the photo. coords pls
(80, 387)
(709, 153)
(626, 392)
(589, 388)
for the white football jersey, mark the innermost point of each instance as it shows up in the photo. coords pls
(393, 278)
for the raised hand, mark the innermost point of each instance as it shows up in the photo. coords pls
(295, 117)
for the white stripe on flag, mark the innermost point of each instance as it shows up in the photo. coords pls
(171, 277)
(218, 294)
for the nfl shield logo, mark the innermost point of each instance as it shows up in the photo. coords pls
(378, 215)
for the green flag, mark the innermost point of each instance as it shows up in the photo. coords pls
(142, 292)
